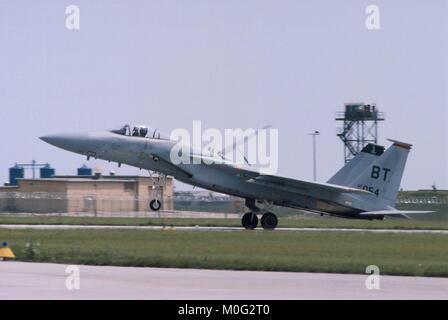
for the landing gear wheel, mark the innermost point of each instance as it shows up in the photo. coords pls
(249, 221)
(155, 205)
(269, 221)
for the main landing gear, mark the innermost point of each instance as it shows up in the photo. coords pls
(269, 221)
(249, 221)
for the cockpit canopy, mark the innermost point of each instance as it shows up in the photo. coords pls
(141, 131)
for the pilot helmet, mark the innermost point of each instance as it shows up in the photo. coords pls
(143, 131)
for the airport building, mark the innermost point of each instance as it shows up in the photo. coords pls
(91, 194)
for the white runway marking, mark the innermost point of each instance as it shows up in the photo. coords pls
(222, 229)
(48, 281)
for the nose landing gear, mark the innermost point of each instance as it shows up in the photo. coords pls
(155, 205)
(157, 182)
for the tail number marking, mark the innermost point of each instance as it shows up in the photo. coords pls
(376, 172)
(370, 189)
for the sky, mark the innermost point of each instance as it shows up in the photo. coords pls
(229, 64)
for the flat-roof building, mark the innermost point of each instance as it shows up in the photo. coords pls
(85, 194)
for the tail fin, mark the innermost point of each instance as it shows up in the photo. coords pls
(357, 165)
(383, 176)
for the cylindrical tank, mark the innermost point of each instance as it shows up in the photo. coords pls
(47, 172)
(85, 171)
(16, 172)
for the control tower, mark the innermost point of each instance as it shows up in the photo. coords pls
(360, 127)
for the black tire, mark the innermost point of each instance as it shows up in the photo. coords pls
(249, 221)
(155, 205)
(269, 221)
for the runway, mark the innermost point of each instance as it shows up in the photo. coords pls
(219, 229)
(48, 281)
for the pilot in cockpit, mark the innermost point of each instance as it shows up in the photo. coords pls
(140, 131)
(143, 131)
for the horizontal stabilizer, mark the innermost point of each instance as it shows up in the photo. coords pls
(393, 213)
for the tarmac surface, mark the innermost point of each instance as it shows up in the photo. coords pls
(200, 228)
(43, 281)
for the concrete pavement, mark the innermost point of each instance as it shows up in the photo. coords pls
(21, 280)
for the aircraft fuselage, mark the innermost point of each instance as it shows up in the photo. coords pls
(154, 154)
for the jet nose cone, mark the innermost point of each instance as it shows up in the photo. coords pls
(49, 138)
(76, 142)
(58, 140)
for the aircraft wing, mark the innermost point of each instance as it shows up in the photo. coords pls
(303, 186)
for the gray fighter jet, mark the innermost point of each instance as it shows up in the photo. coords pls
(365, 188)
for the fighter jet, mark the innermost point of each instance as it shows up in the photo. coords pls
(365, 188)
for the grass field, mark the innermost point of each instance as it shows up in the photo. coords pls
(324, 222)
(397, 254)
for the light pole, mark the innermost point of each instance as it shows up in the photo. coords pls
(314, 134)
